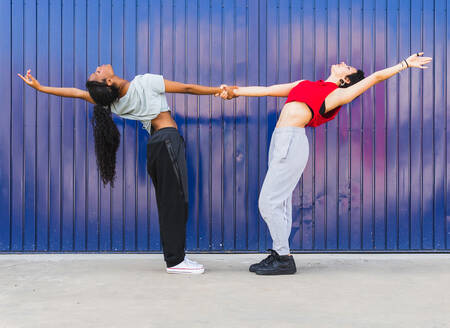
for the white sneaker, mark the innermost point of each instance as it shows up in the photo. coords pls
(187, 267)
(192, 262)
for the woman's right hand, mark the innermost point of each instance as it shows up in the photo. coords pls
(30, 80)
(228, 92)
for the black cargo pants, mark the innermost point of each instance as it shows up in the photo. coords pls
(166, 165)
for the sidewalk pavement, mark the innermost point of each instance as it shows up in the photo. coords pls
(133, 290)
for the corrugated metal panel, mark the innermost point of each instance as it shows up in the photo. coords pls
(376, 178)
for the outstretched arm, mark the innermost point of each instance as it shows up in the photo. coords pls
(62, 92)
(277, 90)
(343, 96)
(195, 89)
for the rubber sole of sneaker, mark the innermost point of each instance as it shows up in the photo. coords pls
(274, 273)
(185, 271)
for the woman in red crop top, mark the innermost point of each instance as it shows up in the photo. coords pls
(308, 104)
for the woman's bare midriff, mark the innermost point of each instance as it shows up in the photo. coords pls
(163, 120)
(294, 114)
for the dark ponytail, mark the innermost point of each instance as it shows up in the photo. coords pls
(354, 78)
(106, 134)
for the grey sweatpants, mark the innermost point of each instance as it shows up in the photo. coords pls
(288, 154)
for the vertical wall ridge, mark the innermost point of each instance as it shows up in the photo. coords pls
(377, 176)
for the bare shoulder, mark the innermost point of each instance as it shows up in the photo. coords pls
(342, 96)
(83, 94)
(295, 83)
(335, 99)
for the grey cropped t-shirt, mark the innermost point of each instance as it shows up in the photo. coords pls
(144, 100)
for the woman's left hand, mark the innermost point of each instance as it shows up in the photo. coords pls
(417, 60)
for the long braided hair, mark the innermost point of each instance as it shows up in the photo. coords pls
(106, 134)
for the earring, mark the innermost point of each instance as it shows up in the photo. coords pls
(341, 82)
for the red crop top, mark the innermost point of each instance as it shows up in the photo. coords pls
(313, 94)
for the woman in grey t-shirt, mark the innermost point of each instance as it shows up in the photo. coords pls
(143, 99)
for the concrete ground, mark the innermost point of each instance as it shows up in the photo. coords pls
(121, 290)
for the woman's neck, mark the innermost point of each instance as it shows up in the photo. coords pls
(333, 79)
(122, 85)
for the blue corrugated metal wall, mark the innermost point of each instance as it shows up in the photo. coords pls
(376, 178)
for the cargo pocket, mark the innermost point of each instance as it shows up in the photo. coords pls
(176, 169)
(282, 144)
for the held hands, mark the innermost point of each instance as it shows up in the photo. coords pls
(30, 80)
(227, 92)
(417, 60)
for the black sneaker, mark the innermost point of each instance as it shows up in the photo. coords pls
(264, 262)
(277, 265)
